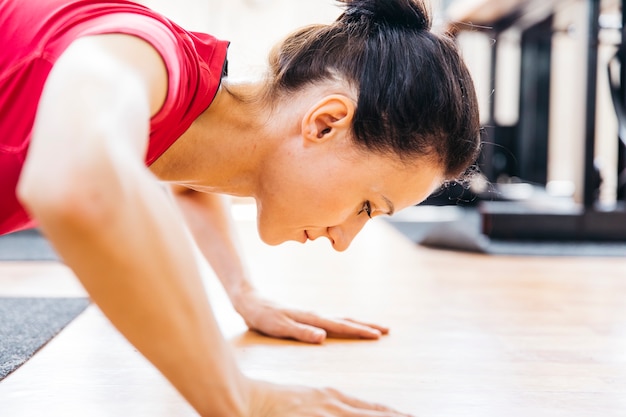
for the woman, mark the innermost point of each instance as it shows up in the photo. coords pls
(104, 101)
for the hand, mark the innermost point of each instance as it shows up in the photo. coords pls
(272, 320)
(275, 400)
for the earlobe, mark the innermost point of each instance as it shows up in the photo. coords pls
(326, 118)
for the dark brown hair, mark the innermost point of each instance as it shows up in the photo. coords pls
(415, 95)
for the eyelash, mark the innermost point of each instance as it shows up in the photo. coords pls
(367, 208)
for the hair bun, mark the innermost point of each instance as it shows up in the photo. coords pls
(412, 14)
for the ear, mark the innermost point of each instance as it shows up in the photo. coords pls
(328, 118)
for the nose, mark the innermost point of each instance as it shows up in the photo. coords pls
(342, 235)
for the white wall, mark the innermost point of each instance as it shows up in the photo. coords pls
(252, 26)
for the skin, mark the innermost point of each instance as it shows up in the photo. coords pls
(303, 176)
(263, 153)
(85, 182)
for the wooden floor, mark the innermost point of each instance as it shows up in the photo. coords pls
(472, 335)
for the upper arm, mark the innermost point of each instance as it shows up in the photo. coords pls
(93, 115)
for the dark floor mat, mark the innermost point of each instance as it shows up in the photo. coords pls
(457, 228)
(27, 324)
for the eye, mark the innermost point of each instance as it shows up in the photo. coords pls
(367, 208)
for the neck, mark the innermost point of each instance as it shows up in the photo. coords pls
(223, 149)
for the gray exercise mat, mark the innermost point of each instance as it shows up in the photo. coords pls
(27, 324)
(27, 245)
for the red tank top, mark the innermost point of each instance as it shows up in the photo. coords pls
(36, 32)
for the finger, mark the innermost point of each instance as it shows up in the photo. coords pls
(353, 331)
(359, 407)
(381, 329)
(290, 329)
(307, 334)
(338, 328)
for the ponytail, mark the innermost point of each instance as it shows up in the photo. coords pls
(415, 95)
(401, 13)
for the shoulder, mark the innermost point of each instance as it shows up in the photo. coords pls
(108, 55)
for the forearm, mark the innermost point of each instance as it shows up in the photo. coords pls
(85, 183)
(208, 217)
(138, 267)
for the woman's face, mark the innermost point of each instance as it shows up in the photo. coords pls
(333, 192)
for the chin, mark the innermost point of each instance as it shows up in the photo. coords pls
(275, 240)
(269, 238)
(273, 236)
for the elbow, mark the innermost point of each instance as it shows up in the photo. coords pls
(29, 191)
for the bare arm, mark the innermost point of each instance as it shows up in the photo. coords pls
(111, 222)
(85, 183)
(208, 217)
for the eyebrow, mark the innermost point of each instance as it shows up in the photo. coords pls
(391, 208)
